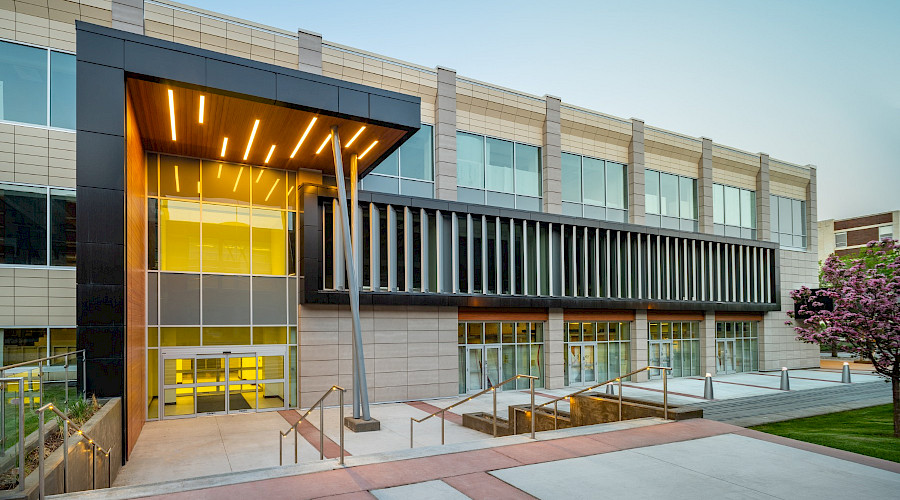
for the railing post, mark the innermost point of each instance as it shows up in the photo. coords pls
(296, 429)
(341, 423)
(280, 448)
(66, 456)
(83, 375)
(93, 466)
(322, 429)
(22, 434)
(442, 427)
(2, 414)
(515, 421)
(109, 469)
(665, 394)
(556, 413)
(41, 486)
(30, 390)
(411, 432)
(533, 414)
(41, 382)
(620, 398)
(494, 390)
(66, 368)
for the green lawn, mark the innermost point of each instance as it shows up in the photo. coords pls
(54, 393)
(867, 431)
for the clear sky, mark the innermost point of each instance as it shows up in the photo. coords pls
(810, 82)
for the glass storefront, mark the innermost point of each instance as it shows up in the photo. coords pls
(221, 290)
(675, 344)
(737, 347)
(491, 352)
(596, 351)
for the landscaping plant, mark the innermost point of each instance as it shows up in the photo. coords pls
(865, 317)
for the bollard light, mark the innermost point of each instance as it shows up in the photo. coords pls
(845, 373)
(708, 387)
(785, 380)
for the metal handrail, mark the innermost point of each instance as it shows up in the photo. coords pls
(493, 389)
(94, 447)
(618, 379)
(321, 404)
(21, 382)
(35, 361)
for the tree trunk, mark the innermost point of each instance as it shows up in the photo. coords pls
(834, 350)
(895, 385)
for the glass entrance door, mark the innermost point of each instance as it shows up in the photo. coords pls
(483, 368)
(221, 383)
(725, 356)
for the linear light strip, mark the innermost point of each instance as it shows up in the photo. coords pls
(202, 105)
(324, 144)
(354, 137)
(224, 145)
(250, 142)
(368, 149)
(303, 137)
(269, 156)
(177, 183)
(172, 111)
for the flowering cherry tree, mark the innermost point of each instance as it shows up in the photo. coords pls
(865, 317)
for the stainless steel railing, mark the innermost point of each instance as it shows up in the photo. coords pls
(492, 389)
(295, 428)
(78, 432)
(26, 368)
(618, 379)
(21, 403)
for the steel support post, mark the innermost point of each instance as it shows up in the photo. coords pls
(322, 429)
(341, 424)
(494, 390)
(354, 235)
(533, 415)
(360, 367)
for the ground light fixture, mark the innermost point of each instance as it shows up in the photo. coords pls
(250, 142)
(303, 137)
(172, 111)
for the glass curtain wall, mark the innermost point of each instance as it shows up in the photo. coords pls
(221, 254)
(671, 201)
(491, 352)
(37, 86)
(734, 211)
(675, 344)
(596, 351)
(788, 220)
(497, 172)
(409, 170)
(737, 346)
(594, 188)
(37, 225)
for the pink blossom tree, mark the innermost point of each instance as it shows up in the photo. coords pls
(865, 317)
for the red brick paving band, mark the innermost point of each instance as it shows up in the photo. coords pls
(310, 433)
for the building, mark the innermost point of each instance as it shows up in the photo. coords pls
(847, 236)
(498, 232)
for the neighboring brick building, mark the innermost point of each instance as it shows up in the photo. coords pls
(847, 236)
(499, 232)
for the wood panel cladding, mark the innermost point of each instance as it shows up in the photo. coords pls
(135, 276)
(674, 315)
(869, 220)
(502, 314)
(861, 236)
(738, 316)
(597, 315)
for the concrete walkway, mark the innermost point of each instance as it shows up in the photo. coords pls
(647, 458)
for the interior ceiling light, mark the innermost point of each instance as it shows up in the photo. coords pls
(236, 181)
(219, 175)
(272, 189)
(354, 137)
(291, 190)
(172, 111)
(368, 149)
(224, 145)
(250, 142)
(177, 184)
(323, 144)
(202, 103)
(303, 137)
(258, 177)
(269, 156)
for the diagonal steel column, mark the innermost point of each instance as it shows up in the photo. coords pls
(359, 368)
(354, 227)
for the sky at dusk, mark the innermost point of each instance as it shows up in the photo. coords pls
(808, 82)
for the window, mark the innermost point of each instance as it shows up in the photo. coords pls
(37, 225)
(885, 232)
(593, 188)
(28, 76)
(734, 211)
(21, 345)
(491, 352)
(671, 200)
(788, 219)
(840, 240)
(596, 352)
(409, 170)
(498, 172)
(737, 348)
(676, 345)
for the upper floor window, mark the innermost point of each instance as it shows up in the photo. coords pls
(497, 172)
(840, 240)
(37, 86)
(885, 232)
(788, 218)
(37, 225)
(409, 170)
(671, 200)
(593, 188)
(734, 211)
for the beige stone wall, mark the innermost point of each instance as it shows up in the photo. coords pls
(35, 155)
(788, 180)
(50, 23)
(735, 168)
(213, 31)
(385, 73)
(496, 112)
(594, 134)
(37, 297)
(411, 352)
(672, 153)
(778, 346)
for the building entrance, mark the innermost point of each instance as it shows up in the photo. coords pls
(483, 369)
(203, 382)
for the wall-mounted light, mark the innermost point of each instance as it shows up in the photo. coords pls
(323, 144)
(368, 149)
(202, 105)
(172, 111)
(224, 145)
(354, 137)
(269, 156)
(303, 137)
(250, 142)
